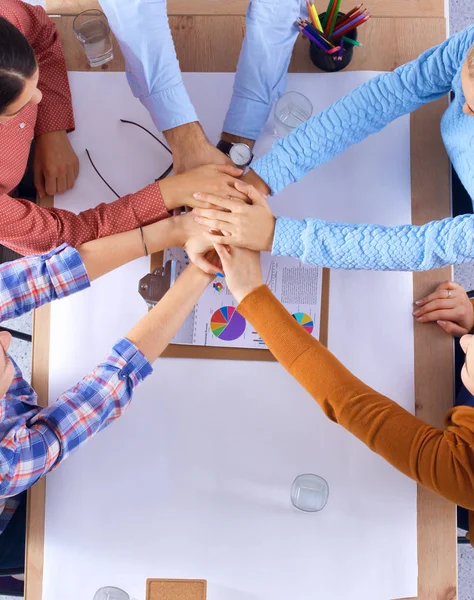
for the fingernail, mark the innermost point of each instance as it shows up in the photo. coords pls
(441, 322)
(219, 274)
(418, 302)
(197, 195)
(420, 318)
(417, 312)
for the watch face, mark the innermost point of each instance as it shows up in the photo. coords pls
(240, 154)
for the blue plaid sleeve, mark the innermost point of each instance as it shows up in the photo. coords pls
(38, 440)
(30, 282)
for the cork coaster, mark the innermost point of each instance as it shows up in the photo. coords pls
(176, 589)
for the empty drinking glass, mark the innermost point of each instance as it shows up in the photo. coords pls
(309, 493)
(111, 593)
(93, 31)
(291, 110)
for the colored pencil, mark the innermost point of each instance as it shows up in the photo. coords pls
(318, 43)
(326, 14)
(310, 14)
(331, 16)
(354, 10)
(351, 41)
(344, 29)
(315, 32)
(334, 17)
(317, 22)
(352, 27)
(346, 19)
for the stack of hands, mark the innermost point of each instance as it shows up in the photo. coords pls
(233, 219)
(224, 209)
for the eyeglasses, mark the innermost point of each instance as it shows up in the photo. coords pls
(162, 176)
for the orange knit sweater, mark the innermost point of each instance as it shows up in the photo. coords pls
(440, 459)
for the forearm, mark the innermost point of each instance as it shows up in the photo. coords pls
(30, 282)
(32, 229)
(375, 247)
(42, 438)
(153, 72)
(156, 330)
(438, 459)
(106, 254)
(365, 111)
(263, 65)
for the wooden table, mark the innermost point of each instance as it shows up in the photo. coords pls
(398, 40)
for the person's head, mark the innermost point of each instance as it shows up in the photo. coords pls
(18, 72)
(467, 79)
(6, 365)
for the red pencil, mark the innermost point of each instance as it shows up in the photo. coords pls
(338, 35)
(348, 18)
(329, 21)
(354, 10)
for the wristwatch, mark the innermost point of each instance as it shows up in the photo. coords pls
(239, 154)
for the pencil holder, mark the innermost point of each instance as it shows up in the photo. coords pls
(333, 62)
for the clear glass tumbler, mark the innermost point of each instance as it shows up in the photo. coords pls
(309, 492)
(291, 110)
(93, 31)
(111, 593)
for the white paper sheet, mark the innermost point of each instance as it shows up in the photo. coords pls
(194, 481)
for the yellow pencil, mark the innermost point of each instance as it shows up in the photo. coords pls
(315, 17)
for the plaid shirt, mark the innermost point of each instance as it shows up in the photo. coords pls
(34, 440)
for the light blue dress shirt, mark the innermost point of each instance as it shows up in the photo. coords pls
(144, 35)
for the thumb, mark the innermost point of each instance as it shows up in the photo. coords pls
(229, 170)
(251, 192)
(202, 263)
(452, 328)
(224, 254)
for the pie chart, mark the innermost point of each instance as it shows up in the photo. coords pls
(227, 324)
(305, 321)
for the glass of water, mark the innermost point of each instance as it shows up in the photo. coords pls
(291, 110)
(111, 593)
(309, 492)
(93, 31)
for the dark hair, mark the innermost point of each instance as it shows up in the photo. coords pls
(17, 63)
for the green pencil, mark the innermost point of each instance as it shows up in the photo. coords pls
(350, 41)
(326, 14)
(334, 18)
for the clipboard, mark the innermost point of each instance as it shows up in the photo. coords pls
(153, 286)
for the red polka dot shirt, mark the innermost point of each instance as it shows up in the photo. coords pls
(24, 226)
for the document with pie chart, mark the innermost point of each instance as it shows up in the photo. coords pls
(215, 320)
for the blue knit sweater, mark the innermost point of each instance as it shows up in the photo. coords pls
(367, 110)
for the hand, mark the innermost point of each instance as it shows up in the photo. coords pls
(191, 148)
(190, 235)
(219, 180)
(449, 306)
(253, 179)
(242, 270)
(246, 225)
(56, 165)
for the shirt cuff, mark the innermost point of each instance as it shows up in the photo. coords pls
(149, 205)
(288, 237)
(170, 108)
(246, 117)
(66, 270)
(134, 363)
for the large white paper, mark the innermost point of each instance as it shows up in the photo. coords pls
(194, 481)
